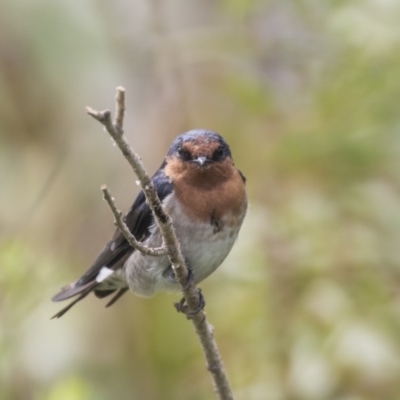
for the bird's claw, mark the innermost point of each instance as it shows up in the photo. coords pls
(183, 308)
(190, 279)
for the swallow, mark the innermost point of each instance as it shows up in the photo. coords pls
(205, 195)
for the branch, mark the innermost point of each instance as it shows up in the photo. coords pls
(119, 221)
(192, 294)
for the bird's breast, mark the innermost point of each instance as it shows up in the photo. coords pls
(206, 222)
(205, 244)
(208, 193)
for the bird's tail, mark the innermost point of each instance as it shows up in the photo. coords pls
(71, 291)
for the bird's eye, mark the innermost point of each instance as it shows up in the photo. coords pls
(218, 154)
(184, 154)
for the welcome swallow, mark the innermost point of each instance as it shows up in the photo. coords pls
(204, 193)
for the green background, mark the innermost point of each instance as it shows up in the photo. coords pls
(307, 93)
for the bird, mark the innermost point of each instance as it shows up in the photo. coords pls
(205, 195)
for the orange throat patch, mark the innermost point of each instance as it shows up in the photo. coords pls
(209, 193)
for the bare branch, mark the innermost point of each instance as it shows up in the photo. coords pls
(191, 293)
(119, 220)
(119, 108)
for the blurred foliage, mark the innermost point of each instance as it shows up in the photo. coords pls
(307, 93)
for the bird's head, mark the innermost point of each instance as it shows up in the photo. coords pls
(199, 149)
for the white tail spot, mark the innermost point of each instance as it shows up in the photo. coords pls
(104, 274)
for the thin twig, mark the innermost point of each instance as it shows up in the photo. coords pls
(119, 108)
(191, 294)
(119, 221)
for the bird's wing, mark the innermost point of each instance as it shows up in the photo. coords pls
(139, 219)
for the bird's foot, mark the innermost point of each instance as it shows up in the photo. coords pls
(190, 279)
(183, 308)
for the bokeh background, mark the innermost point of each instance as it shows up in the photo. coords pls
(307, 93)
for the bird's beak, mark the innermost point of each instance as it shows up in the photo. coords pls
(202, 161)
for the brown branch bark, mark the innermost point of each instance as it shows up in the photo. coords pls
(191, 293)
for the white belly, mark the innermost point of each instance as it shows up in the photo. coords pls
(203, 249)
